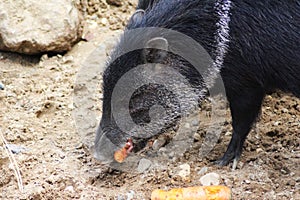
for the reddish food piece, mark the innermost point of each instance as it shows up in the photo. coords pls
(122, 153)
(217, 192)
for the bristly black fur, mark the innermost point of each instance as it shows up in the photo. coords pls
(146, 4)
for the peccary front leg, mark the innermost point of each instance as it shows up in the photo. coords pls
(245, 107)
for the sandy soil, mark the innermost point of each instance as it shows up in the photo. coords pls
(51, 106)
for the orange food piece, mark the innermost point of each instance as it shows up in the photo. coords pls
(121, 154)
(217, 192)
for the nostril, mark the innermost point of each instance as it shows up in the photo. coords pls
(129, 145)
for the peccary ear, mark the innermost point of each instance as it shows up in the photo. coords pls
(156, 50)
(158, 43)
(137, 16)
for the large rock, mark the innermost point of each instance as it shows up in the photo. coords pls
(31, 26)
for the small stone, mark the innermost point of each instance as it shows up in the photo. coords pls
(104, 21)
(284, 171)
(276, 123)
(240, 164)
(171, 154)
(79, 146)
(258, 150)
(187, 126)
(44, 57)
(163, 149)
(67, 59)
(1, 86)
(16, 149)
(71, 106)
(70, 189)
(284, 110)
(163, 152)
(298, 107)
(197, 136)
(130, 195)
(210, 179)
(228, 181)
(228, 133)
(120, 197)
(184, 172)
(144, 164)
(158, 143)
(203, 171)
(195, 122)
(269, 97)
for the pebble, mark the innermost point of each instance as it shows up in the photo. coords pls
(228, 133)
(144, 164)
(70, 189)
(203, 171)
(158, 143)
(258, 150)
(269, 97)
(228, 181)
(15, 148)
(298, 107)
(104, 21)
(171, 154)
(67, 59)
(120, 198)
(162, 150)
(197, 136)
(44, 57)
(130, 195)
(71, 106)
(1, 86)
(276, 123)
(187, 126)
(284, 110)
(184, 172)
(210, 179)
(195, 122)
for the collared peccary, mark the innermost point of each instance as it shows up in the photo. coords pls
(257, 44)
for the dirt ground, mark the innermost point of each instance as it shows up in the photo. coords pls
(50, 112)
